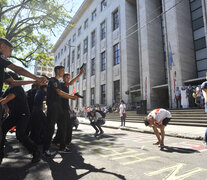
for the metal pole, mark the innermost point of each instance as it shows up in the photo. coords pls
(167, 57)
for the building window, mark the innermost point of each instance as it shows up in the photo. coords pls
(85, 47)
(200, 43)
(72, 75)
(103, 30)
(55, 58)
(65, 48)
(69, 61)
(74, 37)
(84, 98)
(93, 17)
(69, 42)
(84, 74)
(58, 55)
(77, 72)
(73, 56)
(103, 61)
(64, 63)
(86, 24)
(61, 52)
(78, 52)
(103, 94)
(93, 38)
(117, 91)
(103, 5)
(116, 54)
(79, 31)
(92, 96)
(92, 66)
(199, 37)
(115, 20)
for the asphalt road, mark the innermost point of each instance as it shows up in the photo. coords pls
(115, 155)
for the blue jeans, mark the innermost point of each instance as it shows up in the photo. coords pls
(122, 121)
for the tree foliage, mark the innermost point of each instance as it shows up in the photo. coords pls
(28, 24)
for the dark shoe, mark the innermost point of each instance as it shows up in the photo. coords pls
(36, 157)
(101, 132)
(65, 151)
(96, 134)
(47, 153)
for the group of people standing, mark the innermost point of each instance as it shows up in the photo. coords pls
(15, 100)
(189, 97)
(33, 127)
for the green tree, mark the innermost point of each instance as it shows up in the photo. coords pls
(28, 24)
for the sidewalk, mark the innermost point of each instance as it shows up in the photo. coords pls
(188, 132)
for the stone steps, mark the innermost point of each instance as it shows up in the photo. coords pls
(187, 117)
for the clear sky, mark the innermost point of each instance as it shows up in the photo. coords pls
(71, 6)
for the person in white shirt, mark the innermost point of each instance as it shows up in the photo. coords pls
(122, 112)
(158, 118)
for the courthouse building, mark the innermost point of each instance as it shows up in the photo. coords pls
(135, 49)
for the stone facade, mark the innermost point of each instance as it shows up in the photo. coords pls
(148, 31)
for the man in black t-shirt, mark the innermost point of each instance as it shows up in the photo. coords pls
(5, 52)
(19, 116)
(66, 108)
(55, 111)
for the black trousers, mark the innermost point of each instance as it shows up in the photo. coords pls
(69, 131)
(55, 115)
(38, 124)
(96, 126)
(21, 122)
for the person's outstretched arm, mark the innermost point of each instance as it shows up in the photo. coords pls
(26, 73)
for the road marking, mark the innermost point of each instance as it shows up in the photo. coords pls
(127, 156)
(139, 160)
(174, 170)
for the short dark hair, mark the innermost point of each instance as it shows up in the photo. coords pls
(58, 67)
(66, 74)
(6, 42)
(146, 123)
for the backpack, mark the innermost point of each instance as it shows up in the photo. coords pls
(102, 113)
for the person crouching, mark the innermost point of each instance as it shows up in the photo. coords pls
(96, 120)
(158, 119)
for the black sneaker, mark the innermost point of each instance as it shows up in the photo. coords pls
(47, 153)
(36, 157)
(101, 132)
(96, 134)
(65, 151)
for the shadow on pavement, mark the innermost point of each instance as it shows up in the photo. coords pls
(171, 149)
(71, 163)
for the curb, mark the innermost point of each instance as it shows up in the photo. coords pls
(150, 132)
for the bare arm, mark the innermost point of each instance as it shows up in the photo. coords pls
(7, 99)
(13, 82)
(65, 95)
(26, 73)
(76, 78)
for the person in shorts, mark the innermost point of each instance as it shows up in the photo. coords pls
(158, 119)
